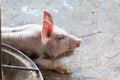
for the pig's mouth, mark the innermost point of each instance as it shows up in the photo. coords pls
(71, 48)
(69, 51)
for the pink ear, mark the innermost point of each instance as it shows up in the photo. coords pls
(46, 30)
(48, 16)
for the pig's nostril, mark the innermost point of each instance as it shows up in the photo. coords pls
(78, 43)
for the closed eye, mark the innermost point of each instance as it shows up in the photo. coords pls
(61, 37)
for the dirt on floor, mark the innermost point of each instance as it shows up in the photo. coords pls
(96, 21)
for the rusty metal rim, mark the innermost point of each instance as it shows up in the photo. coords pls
(19, 67)
(25, 57)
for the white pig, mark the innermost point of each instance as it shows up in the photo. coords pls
(41, 39)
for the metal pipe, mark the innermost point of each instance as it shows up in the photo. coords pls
(1, 73)
(19, 68)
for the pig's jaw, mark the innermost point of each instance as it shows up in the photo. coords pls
(54, 55)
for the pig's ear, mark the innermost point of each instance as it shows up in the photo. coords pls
(47, 16)
(47, 30)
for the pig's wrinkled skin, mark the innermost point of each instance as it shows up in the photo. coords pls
(46, 38)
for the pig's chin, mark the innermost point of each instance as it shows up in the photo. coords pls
(71, 49)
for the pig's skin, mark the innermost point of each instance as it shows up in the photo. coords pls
(40, 39)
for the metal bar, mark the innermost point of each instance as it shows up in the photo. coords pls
(1, 73)
(19, 68)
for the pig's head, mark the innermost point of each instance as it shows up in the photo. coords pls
(56, 40)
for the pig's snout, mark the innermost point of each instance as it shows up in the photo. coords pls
(78, 43)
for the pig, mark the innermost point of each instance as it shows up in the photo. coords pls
(46, 39)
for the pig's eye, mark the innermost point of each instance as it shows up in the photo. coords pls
(61, 37)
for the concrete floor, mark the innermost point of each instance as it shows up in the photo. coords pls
(96, 21)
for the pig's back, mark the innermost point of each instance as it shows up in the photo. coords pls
(28, 27)
(23, 38)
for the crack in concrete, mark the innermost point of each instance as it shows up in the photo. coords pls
(91, 34)
(111, 58)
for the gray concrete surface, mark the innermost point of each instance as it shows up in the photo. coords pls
(97, 21)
